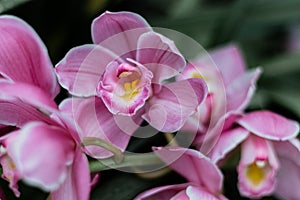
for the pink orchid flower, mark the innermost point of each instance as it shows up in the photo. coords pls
(264, 137)
(230, 88)
(45, 149)
(24, 57)
(126, 68)
(204, 178)
(25, 62)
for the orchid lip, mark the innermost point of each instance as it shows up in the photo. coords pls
(125, 87)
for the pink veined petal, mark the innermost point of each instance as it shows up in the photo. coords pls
(288, 175)
(27, 93)
(160, 55)
(163, 192)
(93, 118)
(173, 103)
(21, 103)
(77, 183)
(257, 168)
(229, 61)
(81, 69)
(119, 31)
(228, 141)
(191, 164)
(31, 156)
(240, 90)
(269, 125)
(24, 57)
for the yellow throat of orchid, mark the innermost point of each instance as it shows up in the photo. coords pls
(197, 75)
(129, 86)
(256, 172)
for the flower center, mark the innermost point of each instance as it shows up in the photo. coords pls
(130, 81)
(256, 172)
(197, 75)
(125, 88)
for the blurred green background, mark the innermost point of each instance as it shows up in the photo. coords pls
(265, 30)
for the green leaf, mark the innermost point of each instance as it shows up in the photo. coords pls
(9, 4)
(288, 99)
(282, 65)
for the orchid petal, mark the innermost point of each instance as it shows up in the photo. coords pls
(21, 103)
(269, 125)
(164, 192)
(119, 31)
(26, 93)
(229, 61)
(160, 55)
(288, 175)
(240, 90)
(257, 168)
(190, 164)
(31, 156)
(94, 120)
(173, 103)
(228, 141)
(77, 183)
(81, 69)
(195, 193)
(288, 149)
(24, 57)
(205, 141)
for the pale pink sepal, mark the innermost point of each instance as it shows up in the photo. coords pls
(269, 125)
(240, 90)
(81, 69)
(160, 55)
(227, 141)
(191, 164)
(119, 31)
(229, 61)
(173, 103)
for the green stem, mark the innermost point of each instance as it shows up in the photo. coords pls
(92, 141)
(130, 160)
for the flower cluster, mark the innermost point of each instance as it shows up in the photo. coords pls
(130, 75)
